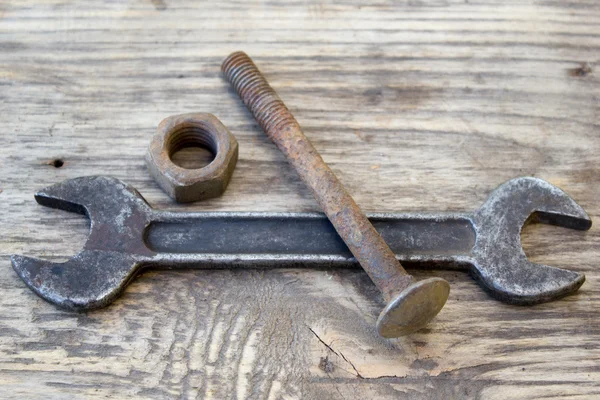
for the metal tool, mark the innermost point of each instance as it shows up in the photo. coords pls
(411, 305)
(126, 235)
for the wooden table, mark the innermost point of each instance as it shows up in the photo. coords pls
(416, 106)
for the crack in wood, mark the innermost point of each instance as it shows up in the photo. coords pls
(340, 354)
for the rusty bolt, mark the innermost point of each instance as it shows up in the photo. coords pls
(411, 304)
(188, 130)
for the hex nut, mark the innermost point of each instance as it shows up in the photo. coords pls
(187, 130)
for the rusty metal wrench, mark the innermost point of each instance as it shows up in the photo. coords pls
(126, 234)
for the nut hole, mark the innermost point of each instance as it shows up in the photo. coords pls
(191, 146)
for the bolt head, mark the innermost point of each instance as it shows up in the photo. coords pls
(413, 308)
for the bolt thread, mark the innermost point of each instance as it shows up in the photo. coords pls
(256, 93)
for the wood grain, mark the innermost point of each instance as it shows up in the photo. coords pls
(416, 105)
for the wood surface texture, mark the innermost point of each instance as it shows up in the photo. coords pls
(416, 105)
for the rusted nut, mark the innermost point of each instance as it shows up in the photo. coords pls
(192, 130)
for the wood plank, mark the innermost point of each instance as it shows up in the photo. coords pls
(415, 105)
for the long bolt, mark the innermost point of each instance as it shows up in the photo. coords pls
(411, 304)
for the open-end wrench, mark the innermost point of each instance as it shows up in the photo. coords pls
(126, 234)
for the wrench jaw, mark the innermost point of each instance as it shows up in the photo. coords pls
(101, 198)
(112, 254)
(527, 199)
(90, 280)
(118, 213)
(499, 261)
(578, 220)
(521, 282)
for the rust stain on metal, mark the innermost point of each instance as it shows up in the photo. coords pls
(280, 125)
(187, 130)
(352, 225)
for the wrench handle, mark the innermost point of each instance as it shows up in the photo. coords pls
(284, 239)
